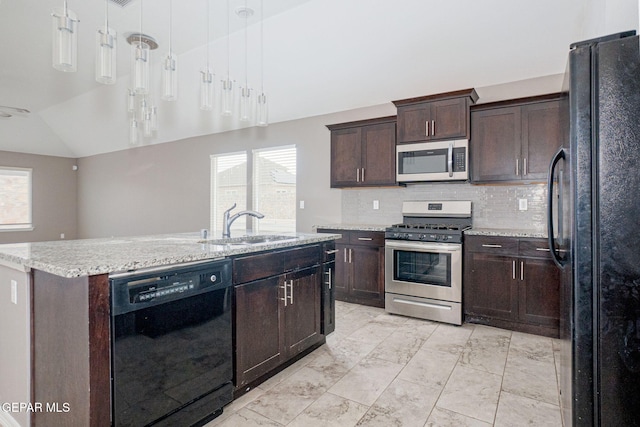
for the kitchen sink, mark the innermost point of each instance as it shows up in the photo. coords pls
(249, 240)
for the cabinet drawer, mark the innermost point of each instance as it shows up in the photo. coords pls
(538, 248)
(254, 267)
(371, 238)
(492, 245)
(298, 258)
(341, 241)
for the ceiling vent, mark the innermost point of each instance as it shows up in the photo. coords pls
(122, 3)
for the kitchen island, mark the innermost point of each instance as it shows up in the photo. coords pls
(62, 307)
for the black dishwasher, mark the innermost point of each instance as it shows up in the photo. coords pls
(171, 346)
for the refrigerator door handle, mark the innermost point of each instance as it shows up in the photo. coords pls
(560, 155)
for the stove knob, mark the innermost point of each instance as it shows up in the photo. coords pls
(213, 278)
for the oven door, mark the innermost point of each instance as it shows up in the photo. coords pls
(422, 269)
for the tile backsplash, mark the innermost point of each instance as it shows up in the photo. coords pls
(493, 206)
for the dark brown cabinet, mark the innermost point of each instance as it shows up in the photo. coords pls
(359, 270)
(435, 117)
(363, 153)
(511, 283)
(514, 140)
(278, 316)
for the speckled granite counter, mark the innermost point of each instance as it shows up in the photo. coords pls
(87, 257)
(506, 232)
(352, 227)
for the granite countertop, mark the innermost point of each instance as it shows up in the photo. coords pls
(352, 227)
(87, 257)
(506, 232)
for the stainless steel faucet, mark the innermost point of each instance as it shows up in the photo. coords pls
(228, 220)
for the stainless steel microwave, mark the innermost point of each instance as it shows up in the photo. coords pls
(433, 161)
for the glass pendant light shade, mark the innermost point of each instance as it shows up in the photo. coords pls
(131, 101)
(262, 110)
(154, 118)
(106, 56)
(65, 39)
(140, 59)
(206, 89)
(133, 131)
(227, 97)
(148, 131)
(246, 104)
(170, 77)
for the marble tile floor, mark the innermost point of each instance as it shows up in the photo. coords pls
(378, 369)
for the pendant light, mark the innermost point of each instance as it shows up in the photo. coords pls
(206, 75)
(65, 39)
(106, 51)
(262, 112)
(227, 83)
(245, 91)
(170, 66)
(140, 59)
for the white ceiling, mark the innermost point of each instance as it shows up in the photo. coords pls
(320, 56)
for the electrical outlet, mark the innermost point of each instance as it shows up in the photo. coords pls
(376, 204)
(522, 204)
(301, 204)
(62, 235)
(14, 292)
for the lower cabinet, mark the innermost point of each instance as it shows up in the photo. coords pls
(511, 283)
(359, 270)
(276, 317)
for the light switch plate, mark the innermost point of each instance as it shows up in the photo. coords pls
(522, 204)
(301, 204)
(14, 292)
(376, 204)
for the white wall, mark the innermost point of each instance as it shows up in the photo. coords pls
(15, 352)
(602, 17)
(165, 188)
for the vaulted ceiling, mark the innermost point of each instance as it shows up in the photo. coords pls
(320, 56)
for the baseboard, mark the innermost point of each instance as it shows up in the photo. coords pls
(6, 420)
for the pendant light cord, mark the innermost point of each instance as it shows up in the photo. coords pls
(246, 48)
(262, 46)
(106, 16)
(228, 43)
(208, 35)
(171, 28)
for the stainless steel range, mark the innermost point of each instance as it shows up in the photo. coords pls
(423, 260)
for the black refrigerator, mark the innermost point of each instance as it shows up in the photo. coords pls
(594, 232)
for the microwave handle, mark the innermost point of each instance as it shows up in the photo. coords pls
(450, 160)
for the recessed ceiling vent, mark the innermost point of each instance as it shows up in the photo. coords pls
(122, 3)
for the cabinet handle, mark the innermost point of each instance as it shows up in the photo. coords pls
(357, 174)
(291, 294)
(349, 255)
(426, 125)
(543, 249)
(332, 251)
(433, 128)
(345, 255)
(368, 239)
(513, 269)
(522, 270)
(285, 293)
(487, 245)
(517, 167)
(525, 167)
(362, 174)
(328, 273)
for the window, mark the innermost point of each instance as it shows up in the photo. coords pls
(264, 180)
(15, 199)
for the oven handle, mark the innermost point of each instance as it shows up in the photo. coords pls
(424, 246)
(450, 159)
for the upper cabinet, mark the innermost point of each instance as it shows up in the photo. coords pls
(513, 141)
(363, 153)
(435, 117)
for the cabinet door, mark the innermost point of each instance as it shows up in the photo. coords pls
(541, 137)
(539, 293)
(258, 326)
(379, 154)
(367, 277)
(490, 286)
(449, 119)
(495, 144)
(342, 272)
(302, 311)
(346, 157)
(412, 123)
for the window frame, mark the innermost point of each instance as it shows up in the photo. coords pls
(28, 226)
